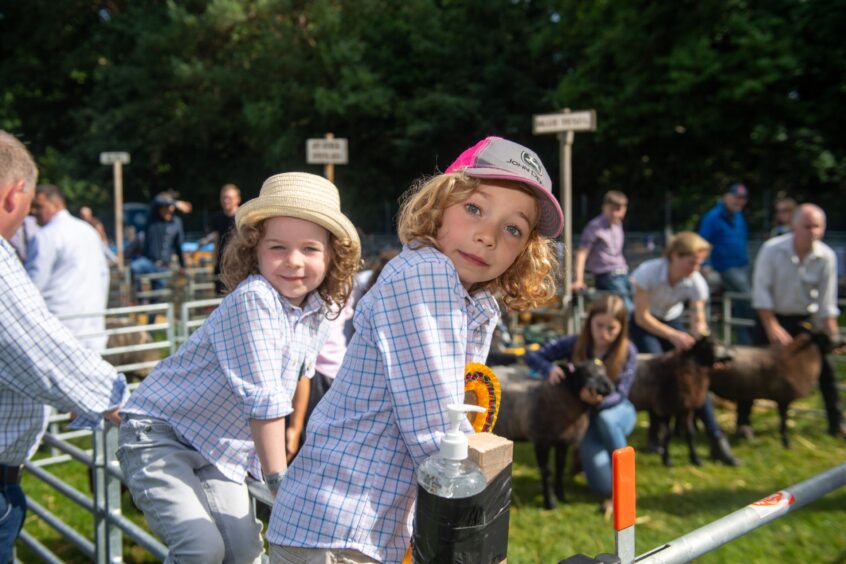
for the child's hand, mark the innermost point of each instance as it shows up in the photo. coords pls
(556, 375)
(292, 442)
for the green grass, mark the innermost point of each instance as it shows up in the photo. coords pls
(670, 502)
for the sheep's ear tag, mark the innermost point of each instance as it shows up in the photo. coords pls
(597, 362)
(806, 326)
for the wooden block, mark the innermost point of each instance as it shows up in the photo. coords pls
(491, 452)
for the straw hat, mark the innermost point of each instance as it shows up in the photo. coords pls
(303, 196)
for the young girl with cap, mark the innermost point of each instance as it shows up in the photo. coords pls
(215, 411)
(479, 231)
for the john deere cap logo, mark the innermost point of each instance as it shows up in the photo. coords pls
(532, 161)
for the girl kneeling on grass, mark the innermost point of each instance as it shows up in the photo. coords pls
(604, 336)
(215, 411)
(477, 231)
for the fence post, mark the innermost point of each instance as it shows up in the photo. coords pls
(623, 499)
(108, 538)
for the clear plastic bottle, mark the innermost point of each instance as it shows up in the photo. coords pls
(450, 474)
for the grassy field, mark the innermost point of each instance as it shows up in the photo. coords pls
(670, 502)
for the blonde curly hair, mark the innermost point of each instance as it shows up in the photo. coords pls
(240, 259)
(529, 282)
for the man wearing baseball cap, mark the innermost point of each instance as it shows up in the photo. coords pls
(725, 228)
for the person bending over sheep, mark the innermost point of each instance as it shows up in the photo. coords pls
(662, 286)
(604, 336)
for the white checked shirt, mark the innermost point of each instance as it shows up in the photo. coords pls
(353, 484)
(243, 363)
(41, 363)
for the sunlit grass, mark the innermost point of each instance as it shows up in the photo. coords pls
(670, 502)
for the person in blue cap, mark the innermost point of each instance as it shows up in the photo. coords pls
(725, 228)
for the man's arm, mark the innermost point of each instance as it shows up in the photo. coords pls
(775, 332)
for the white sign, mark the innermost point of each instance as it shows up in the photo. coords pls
(114, 157)
(327, 151)
(556, 123)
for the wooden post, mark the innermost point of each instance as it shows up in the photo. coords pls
(117, 159)
(118, 176)
(565, 147)
(565, 124)
(329, 168)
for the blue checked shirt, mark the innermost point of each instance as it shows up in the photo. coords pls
(41, 363)
(353, 484)
(243, 363)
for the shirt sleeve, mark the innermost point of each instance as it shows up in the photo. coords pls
(699, 289)
(251, 342)
(706, 227)
(643, 276)
(762, 280)
(40, 258)
(541, 361)
(828, 288)
(42, 360)
(588, 236)
(421, 334)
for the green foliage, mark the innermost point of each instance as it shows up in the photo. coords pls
(690, 95)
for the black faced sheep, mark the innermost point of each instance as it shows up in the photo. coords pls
(674, 384)
(779, 373)
(549, 415)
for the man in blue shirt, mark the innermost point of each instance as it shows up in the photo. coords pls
(725, 228)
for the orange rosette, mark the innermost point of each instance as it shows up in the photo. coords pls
(481, 387)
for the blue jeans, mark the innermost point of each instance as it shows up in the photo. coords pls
(737, 280)
(12, 513)
(143, 265)
(606, 433)
(646, 342)
(617, 284)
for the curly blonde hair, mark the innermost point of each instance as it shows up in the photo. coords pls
(240, 259)
(527, 283)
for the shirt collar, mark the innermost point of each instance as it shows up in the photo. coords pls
(312, 304)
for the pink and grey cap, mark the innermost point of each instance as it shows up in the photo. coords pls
(501, 159)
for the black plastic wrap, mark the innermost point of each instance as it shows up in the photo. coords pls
(471, 530)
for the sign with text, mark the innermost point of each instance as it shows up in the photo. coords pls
(557, 123)
(113, 157)
(327, 151)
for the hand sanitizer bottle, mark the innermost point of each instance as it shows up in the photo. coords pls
(449, 473)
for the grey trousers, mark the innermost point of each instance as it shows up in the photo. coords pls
(201, 515)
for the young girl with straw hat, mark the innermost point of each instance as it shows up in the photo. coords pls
(215, 411)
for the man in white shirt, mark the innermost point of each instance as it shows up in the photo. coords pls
(796, 281)
(66, 263)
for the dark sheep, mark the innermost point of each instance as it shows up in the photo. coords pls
(778, 373)
(674, 384)
(549, 415)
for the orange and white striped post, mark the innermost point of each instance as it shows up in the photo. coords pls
(623, 499)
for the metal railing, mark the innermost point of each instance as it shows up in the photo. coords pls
(97, 454)
(193, 314)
